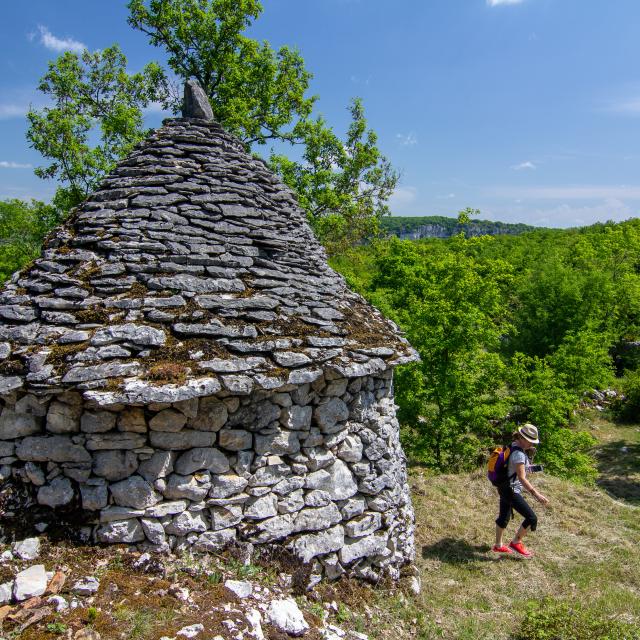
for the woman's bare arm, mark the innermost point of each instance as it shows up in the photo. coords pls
(521, 474)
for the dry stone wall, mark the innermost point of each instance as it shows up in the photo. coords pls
(316, 467)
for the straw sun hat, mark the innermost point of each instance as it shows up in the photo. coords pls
(529, 433)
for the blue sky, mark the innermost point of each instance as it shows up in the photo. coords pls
(528, 110)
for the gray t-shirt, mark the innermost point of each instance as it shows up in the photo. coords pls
(516, 457)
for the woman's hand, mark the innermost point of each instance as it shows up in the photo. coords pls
(541, 499)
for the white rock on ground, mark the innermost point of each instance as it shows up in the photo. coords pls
(6, 556)
(241, 588)
(30, 582)
(86, 587)
(191, 631)
(255, 624)
(6, 590)
(28, 549)
(59, 603)
(286, 616)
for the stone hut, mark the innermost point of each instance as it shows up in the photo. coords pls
(182, 368)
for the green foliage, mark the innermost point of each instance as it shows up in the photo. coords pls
(343, 186)
(552, 619)
(92, 614)
(566, 454)
(452, 307)
(93, 96)
(583, 360)
(538, 393)
(255, 92)
(23, 226)
(510, 330)
(57, 628)
(630, 409)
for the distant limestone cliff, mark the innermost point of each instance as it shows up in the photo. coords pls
(417, 227)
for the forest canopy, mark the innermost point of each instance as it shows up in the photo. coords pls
(509, 329)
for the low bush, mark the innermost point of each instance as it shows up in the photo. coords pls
(551, 619)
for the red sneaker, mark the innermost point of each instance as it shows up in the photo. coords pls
(501, 549)
(521, 549)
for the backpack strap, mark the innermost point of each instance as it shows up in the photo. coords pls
(513, 448)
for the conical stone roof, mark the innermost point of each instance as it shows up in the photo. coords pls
(191, 269)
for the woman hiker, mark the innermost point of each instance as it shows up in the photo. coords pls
(511, 497)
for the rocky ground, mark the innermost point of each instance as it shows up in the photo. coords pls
(62, 590)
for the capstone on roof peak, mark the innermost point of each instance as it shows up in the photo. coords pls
(196, 103)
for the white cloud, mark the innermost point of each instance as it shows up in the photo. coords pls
(449, 196)
(626, 107)
(581, 192)
(53, 43)
(524, 165)
(4, 164)
(13, 111)
(407, 140)
(403, 196)
(495, 3)
(567, 215)
(562, 215)
(155, 107)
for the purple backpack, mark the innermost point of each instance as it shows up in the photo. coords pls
(498, 464)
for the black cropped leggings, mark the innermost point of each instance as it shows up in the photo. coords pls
(510, 502)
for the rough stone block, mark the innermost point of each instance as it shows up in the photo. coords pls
(330, 414)
(122, 531)
(17, 425)
(132, 419)
(235, 439)
(56, 494)
(283, 442)
(262, 507)
(296, 417)
(159, 465)
(108, 441)
(212, 415)
(51, 449)
(372, 545)
(97, 421)
(225, 517)
(94, 496)
(187, 487)
(223, 486)
(215, 540)
(115, 465)
(202, 458)
(306, 547)
(134, 492)
(317, 519)
(182, 440)
(187, 522)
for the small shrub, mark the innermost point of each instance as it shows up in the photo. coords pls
(343, 614)
(214, 577)
(551, 619)
(92, 614)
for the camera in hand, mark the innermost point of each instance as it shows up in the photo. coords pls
(535, 468)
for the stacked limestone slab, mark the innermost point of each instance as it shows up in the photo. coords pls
(183, 366)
